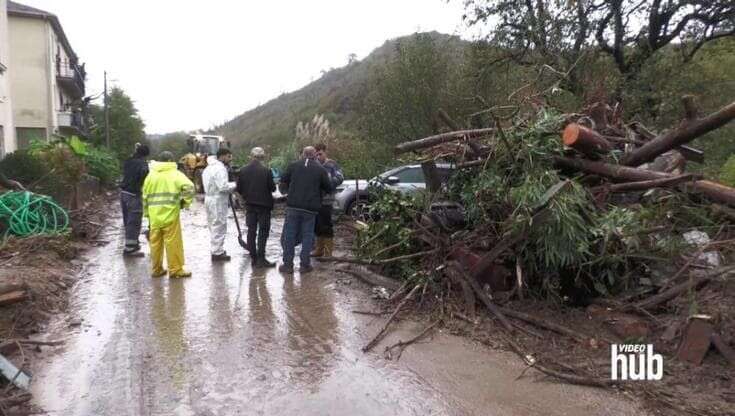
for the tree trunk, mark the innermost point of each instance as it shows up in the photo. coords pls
(586, 141)
(689, 131)
(431, 176)
(715, 191)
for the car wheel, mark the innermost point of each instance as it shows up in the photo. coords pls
(358, 210)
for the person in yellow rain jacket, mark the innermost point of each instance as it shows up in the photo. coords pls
(165, 191)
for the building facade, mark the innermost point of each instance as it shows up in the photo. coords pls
(46, 79)
(7, 128)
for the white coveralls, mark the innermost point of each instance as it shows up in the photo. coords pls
(216, 201)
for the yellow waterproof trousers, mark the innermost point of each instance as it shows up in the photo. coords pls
(170, 238)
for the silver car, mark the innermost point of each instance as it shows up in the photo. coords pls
(352, 195)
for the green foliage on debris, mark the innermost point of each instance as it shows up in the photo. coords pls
(568, 240)
(393, 224)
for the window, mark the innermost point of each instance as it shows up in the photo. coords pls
(411, 175)
(25, 135)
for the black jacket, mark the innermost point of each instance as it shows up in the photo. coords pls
(135, 170)
(306, 180)
(255, 184)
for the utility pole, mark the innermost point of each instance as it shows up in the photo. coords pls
(107, 115)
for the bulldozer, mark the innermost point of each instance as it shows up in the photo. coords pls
(194, 162)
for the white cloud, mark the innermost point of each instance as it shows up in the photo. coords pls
(192, 64)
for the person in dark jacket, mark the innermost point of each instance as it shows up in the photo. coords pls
(255, 184)
(135, 170)
(304, 181)
(324, 228)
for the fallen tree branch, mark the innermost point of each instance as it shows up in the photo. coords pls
(675, 291)
(689, 131)
(495, 310)
(441, 138)
(646, 185)
(384, 329)
(372, 278)
(570, 378)
(406, 257)
(352, 260)
(712, 190)
(401, 345)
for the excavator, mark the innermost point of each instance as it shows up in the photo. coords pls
(194, 162)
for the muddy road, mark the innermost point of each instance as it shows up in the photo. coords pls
(233, 341)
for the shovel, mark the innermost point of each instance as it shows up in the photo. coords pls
(242, 242)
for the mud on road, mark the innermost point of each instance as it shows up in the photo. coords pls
(236, 341)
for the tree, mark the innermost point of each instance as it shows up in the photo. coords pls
(126, 126)
(175, 143)
(558, 33)
(407, 92)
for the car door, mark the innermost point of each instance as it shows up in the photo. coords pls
(410, 180)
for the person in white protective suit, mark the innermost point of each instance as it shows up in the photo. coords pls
(217, 190)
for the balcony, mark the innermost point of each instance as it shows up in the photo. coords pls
(71, 122)
(70, 77)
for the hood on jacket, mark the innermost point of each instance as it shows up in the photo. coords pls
(162, 166)
(211, 160)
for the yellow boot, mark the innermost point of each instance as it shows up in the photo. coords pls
(328, 247)
(318, 248)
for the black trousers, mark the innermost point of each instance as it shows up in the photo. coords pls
(324, 227)
(258, 220)
(132, 210)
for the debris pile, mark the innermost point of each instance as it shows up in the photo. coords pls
(36, 273)
(582, 210)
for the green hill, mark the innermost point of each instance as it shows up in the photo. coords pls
(339, 94)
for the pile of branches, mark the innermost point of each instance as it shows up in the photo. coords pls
(556, 206)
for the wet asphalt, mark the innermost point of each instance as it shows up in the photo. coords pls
(236, 341)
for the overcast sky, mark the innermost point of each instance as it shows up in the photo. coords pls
(193, 64)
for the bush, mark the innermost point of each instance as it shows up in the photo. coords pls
(72, 158)
(23, 167)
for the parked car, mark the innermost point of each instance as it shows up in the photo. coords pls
(352, 195)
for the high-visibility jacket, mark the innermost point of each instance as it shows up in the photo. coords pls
(165, 191)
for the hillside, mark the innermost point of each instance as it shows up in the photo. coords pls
(339, 94)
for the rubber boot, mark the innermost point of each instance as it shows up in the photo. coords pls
(328, 247)
(318, 247)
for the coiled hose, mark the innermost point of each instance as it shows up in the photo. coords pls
(25, 213)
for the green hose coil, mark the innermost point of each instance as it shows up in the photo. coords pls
(25, 213)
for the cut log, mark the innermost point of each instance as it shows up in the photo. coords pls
(441, 138)
(689, 131)
(715, 191)
(13, 297)
(586, 141)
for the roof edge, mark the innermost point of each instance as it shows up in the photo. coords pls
(51, 18)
